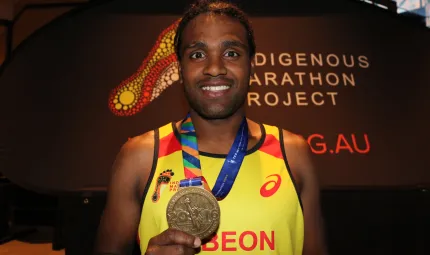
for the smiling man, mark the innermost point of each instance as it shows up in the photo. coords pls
(216, 181)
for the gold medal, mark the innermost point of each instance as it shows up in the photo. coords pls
(195, 211)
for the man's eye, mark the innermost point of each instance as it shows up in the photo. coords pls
(197, 55)
(231, 54)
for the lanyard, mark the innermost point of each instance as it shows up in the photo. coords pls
(230, 168)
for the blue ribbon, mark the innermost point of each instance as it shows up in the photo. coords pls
(232, 163)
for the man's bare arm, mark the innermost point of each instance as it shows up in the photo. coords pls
(118, 226)
(302, 168)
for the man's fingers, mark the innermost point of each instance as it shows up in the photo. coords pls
(173, 237)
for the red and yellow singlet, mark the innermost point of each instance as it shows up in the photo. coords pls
(262, 214)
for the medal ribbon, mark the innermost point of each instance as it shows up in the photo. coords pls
(230, 168)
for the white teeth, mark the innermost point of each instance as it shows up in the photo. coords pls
(216, 88)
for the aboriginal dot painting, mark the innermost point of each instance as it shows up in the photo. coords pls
(158, 71)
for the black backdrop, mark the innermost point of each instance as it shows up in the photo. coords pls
(369, 67)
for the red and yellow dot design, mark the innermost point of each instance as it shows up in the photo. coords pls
(158, 71)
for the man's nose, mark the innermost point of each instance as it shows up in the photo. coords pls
(215, 66)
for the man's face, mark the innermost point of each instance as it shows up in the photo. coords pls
(215, 65)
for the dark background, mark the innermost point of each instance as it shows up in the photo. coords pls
(60, 136)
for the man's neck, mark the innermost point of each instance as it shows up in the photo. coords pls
(222, 130)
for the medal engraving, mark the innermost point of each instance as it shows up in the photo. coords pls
(195, 211)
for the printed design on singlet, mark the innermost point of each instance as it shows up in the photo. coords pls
(272, 185)
(271, 146)
(162, 181)
(168, 145)
(159, 70)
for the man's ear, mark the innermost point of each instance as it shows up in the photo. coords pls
(252, 71)
(180, 73)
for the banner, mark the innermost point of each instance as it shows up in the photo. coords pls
(356, 89)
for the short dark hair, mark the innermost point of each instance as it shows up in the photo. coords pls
(215, 7)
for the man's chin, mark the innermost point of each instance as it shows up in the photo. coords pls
(215, 114)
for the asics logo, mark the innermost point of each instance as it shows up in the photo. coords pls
(271, 186)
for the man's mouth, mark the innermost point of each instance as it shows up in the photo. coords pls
(215, 91)
(216, 88)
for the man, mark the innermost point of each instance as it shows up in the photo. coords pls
(272, 205)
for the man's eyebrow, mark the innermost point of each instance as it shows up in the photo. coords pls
(234, 43)
(196, 44)
(224, 44)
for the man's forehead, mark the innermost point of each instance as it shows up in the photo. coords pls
(212, 17)
(215, 27)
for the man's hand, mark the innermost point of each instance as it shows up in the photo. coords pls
(173, 242)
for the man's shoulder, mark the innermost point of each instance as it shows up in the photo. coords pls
(143, 143)
(289, 138)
